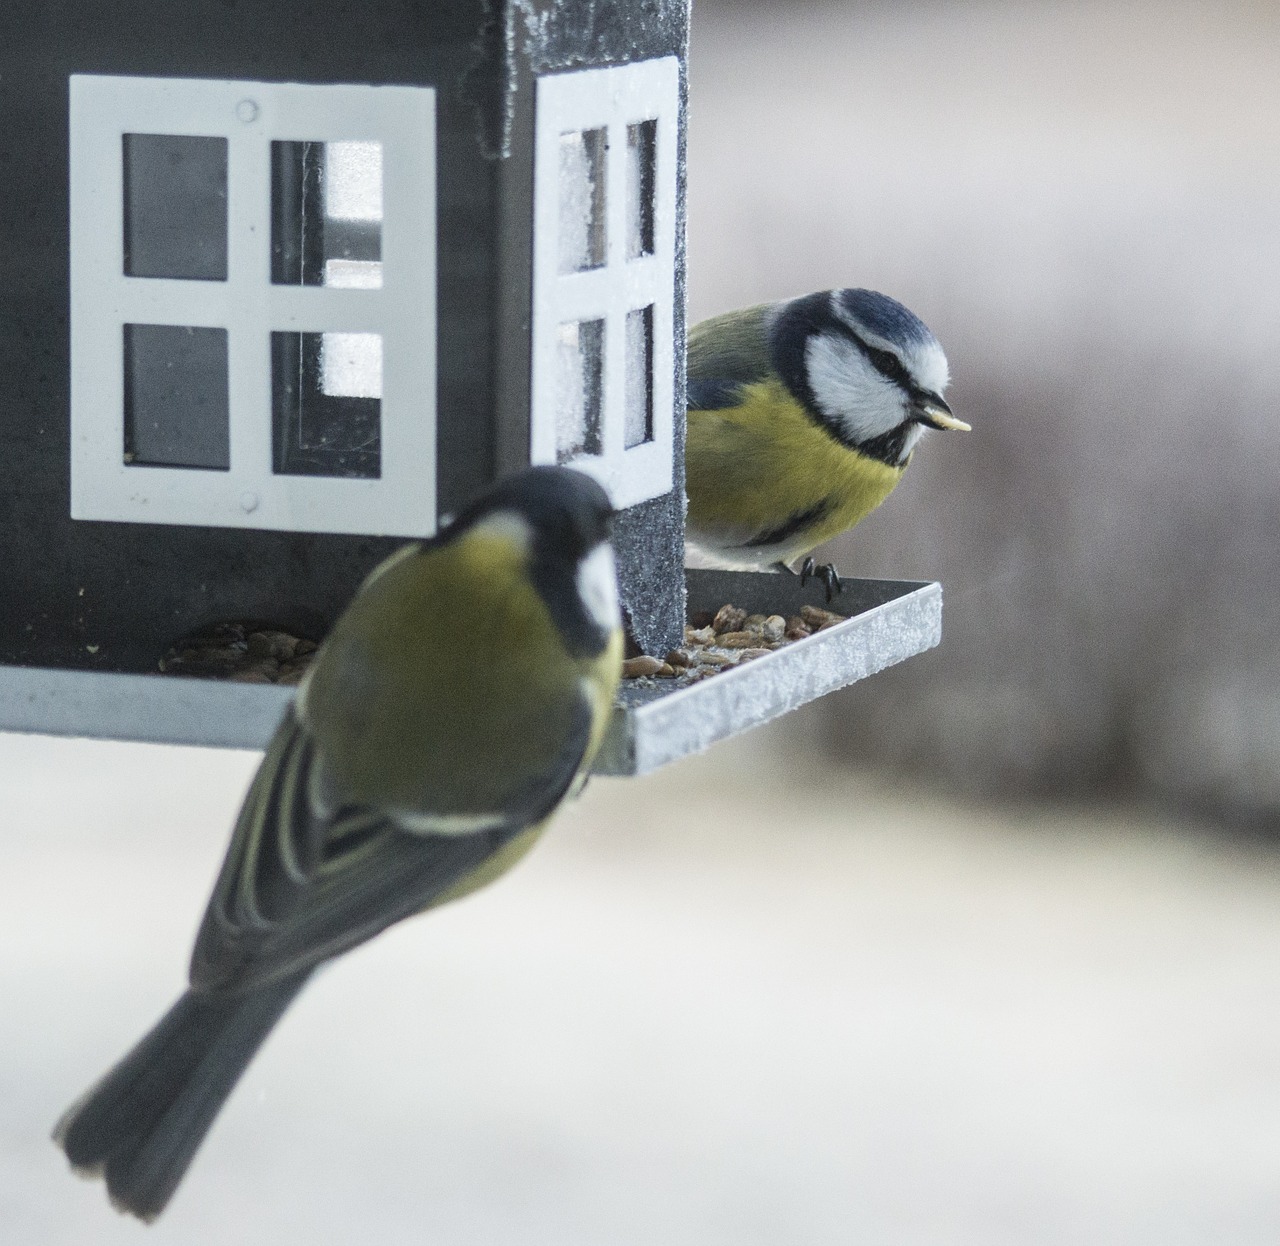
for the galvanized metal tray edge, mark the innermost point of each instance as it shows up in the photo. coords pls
(674, 721)
(690, 718)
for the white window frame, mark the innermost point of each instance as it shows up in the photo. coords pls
(612, 99)
(250, 115)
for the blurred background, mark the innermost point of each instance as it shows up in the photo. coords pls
(975, 953)
(1080, 200)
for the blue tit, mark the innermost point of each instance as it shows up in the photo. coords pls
(803, 415)
(404, 776)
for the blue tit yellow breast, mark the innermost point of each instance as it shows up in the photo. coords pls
(764, 468)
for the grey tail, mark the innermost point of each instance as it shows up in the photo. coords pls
(141, 1125)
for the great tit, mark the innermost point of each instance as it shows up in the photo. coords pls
(803, 416)
(457, 701)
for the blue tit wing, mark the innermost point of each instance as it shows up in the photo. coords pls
(713, 393)
(725, 354)
(300, 885)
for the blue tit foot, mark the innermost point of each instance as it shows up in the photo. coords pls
(824, 571)
(781, 567)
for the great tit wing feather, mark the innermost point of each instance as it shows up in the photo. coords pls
(384, 875)
(300, 885)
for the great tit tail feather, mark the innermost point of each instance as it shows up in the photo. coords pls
(140, 1127)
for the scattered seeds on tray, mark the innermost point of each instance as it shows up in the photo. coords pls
(244, 653)
(730, 636)
(241, 653)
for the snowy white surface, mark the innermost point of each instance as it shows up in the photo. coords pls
(739, 1002)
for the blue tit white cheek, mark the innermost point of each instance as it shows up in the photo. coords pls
(849, 390)
(597, 582)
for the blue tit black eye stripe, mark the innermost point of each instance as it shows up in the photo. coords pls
(885, 362)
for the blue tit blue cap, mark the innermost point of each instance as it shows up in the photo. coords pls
(885, 317)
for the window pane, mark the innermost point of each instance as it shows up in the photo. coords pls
(351, 365)
(582, 164)
(175, 207)
(175, 397)
(327, 404)
(326, 214)
(638, 426)
(641, 155)
(579, 386)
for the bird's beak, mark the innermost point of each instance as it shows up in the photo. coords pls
(932, 410)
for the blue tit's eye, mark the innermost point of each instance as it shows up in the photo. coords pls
(888, 365)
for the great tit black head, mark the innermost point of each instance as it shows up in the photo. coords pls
(569, 511)
(866, 366)
(564, 518)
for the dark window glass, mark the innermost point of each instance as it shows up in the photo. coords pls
(638, 418)
(326, 214)
(579, 388)
(641, 156)
(175, 207)
(327, 404)
(175, 397)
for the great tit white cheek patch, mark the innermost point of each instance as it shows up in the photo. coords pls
(598, 586)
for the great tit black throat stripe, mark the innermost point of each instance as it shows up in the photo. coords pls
(557, 584)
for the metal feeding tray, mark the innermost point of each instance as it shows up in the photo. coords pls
(655, 721)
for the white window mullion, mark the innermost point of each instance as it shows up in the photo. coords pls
(139, 300)
(616, 195)
(580, 102)
(248, 328)
(310, 309)
(231, 480)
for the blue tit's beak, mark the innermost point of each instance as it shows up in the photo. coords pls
(932, 409)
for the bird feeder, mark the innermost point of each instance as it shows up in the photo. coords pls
(289, 284)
